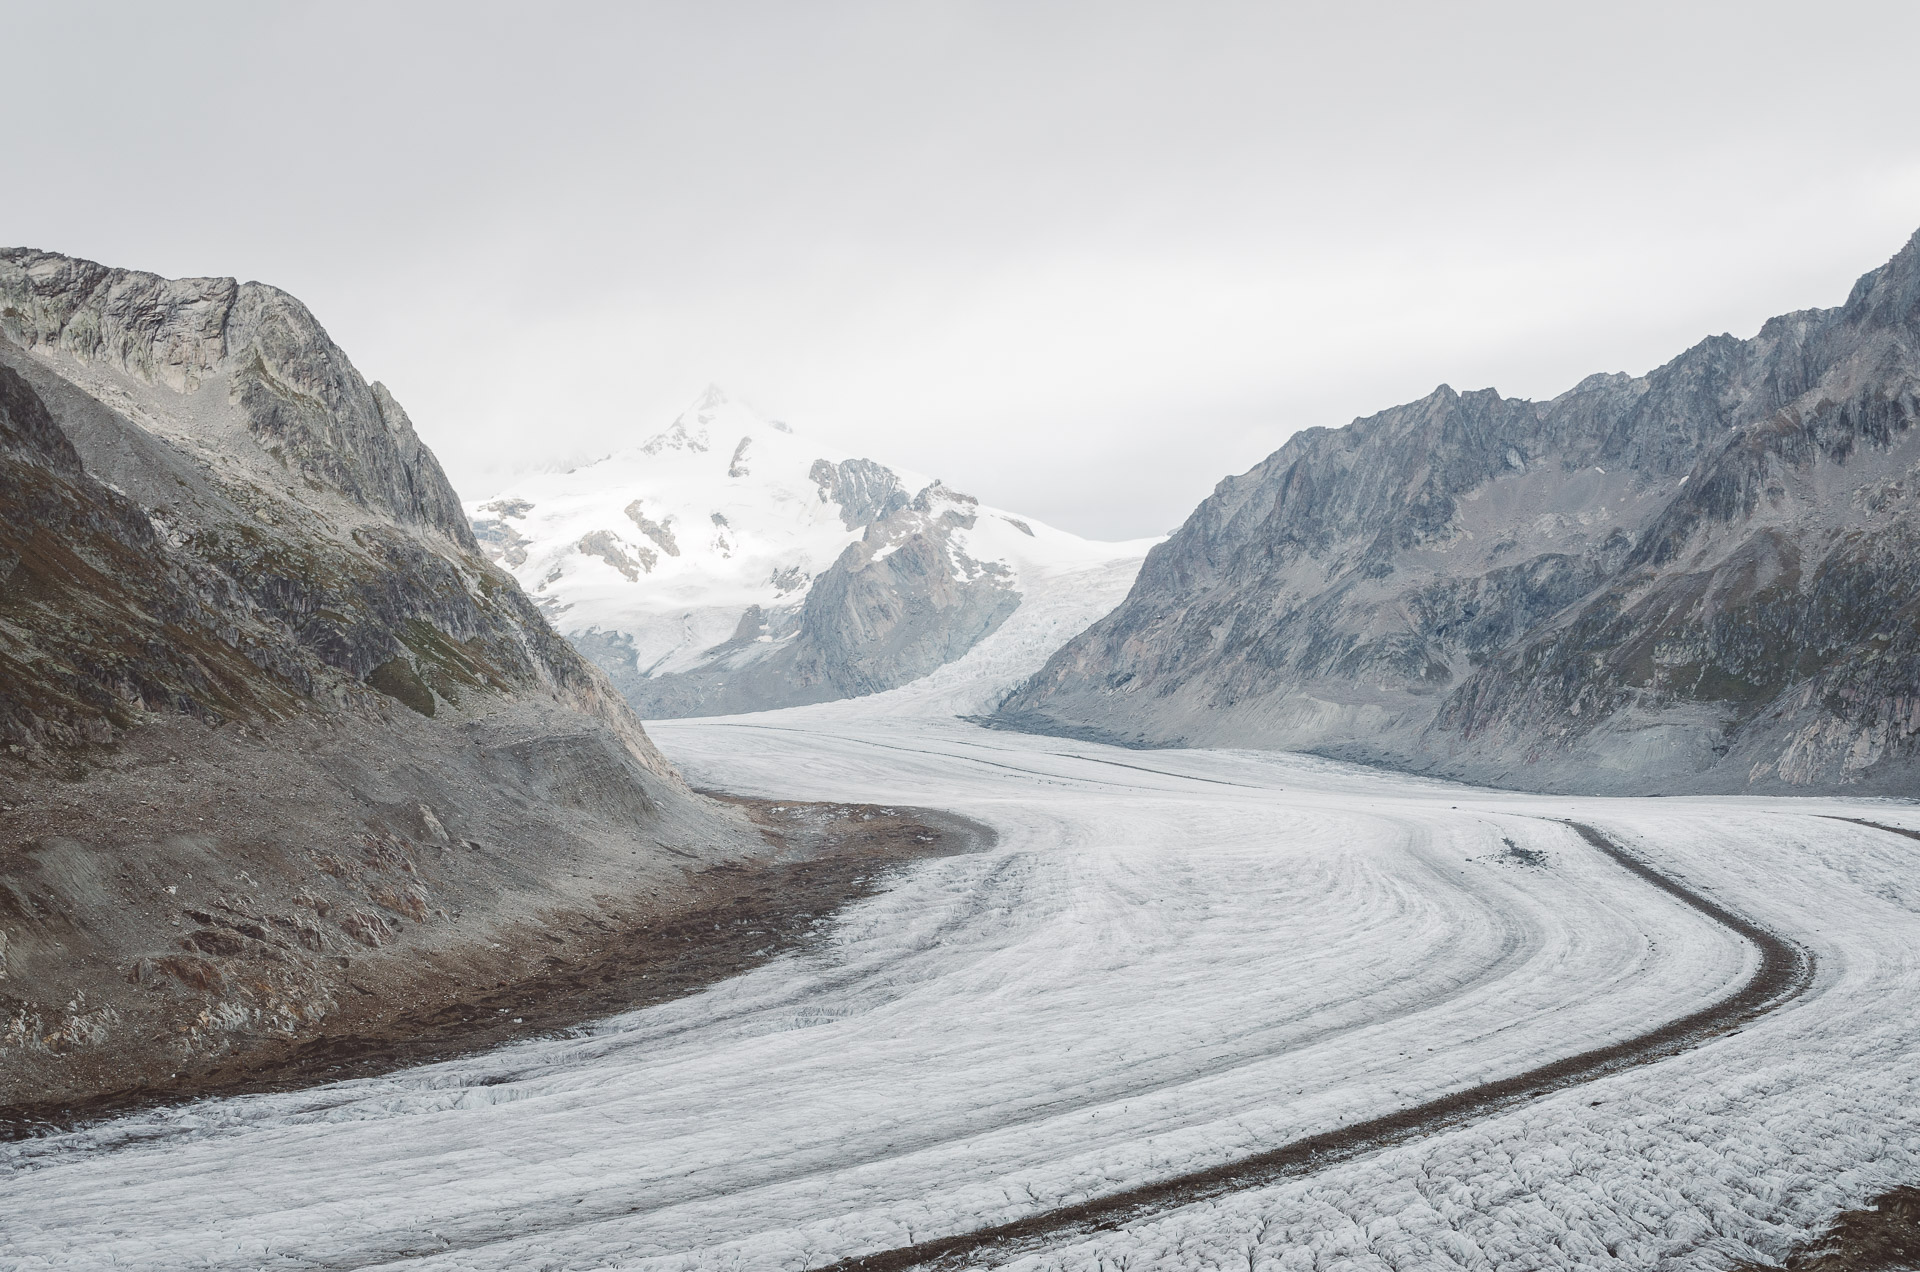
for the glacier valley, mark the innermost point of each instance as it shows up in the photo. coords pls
(1170, 960)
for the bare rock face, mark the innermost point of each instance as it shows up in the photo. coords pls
(865, 492)
(902, 601)
(248, 348)
(1706, 578)
(270, 723)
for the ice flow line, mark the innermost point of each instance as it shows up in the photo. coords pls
(1784, 973)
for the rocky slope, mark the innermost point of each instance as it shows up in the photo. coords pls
(728, 565)
(1703, 578)
(275, 731)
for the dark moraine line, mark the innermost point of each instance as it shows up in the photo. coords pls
(1861, 821)
(1785, 971)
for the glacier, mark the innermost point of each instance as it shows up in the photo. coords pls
(1169, 960)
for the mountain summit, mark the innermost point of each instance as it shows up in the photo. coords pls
(729, 564)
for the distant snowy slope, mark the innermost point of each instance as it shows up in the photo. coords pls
(1059, 599)
(729, 565)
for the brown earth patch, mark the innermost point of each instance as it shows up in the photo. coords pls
(1882, 1236)
(729, 918)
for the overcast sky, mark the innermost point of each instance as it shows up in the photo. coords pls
(1081, 260)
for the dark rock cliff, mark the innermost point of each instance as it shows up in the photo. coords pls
(1705, 578)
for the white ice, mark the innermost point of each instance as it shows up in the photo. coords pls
(1169, 959)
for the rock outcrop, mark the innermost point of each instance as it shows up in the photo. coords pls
(903, 600)
(1704, 578)
(864, 491)
(271, 724)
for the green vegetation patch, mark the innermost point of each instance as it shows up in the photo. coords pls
(446, 665)
(397, 679)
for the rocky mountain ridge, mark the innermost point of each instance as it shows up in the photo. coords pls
(1703, 578)
(272, 723)
(235, 356)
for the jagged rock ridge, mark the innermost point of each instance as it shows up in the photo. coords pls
(1702, 578)
(902, 600)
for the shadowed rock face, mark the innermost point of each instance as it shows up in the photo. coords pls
(901, 602)
(1704, 578)
(267, 714)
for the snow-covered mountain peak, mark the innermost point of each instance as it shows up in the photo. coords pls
(678, 437)
(720, 511)
(693, 429)
(704, 543)
(733, 432)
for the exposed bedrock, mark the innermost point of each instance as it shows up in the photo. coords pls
(902, 601)
(1705, 578)
(865, 492)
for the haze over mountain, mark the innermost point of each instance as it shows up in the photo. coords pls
(1703, 578)
(729, 564)
(943, 231)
